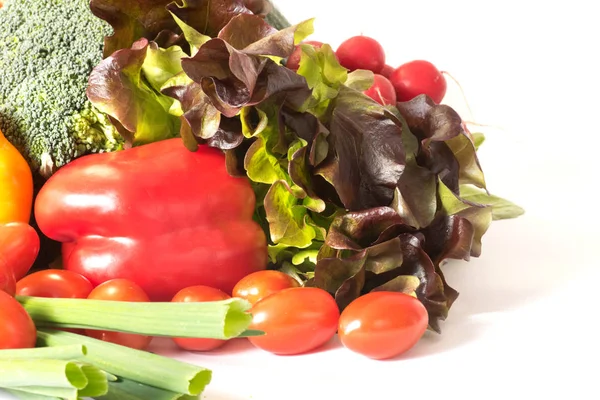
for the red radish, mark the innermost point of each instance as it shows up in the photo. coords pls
(382, 91)
(293, 61)
(361, 52)
(418, 77)
(387, 71)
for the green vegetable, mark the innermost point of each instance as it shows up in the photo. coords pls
(54, 378)
(219, 319)
(125, 389)
(140, 366)
(47, 51)
(66, 352)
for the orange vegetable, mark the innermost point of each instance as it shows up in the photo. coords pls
(19, 242)
(16, 184)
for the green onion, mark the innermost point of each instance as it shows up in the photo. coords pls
(52, 392)
(68, 352)
(141, 366)
(124, 389)
(224, 319)
(53, 378)
(30, 396)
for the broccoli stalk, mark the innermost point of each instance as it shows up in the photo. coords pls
(47, 50)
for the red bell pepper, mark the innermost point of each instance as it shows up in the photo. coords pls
(159, 215)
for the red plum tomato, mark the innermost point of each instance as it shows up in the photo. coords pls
(260, 284)
(17, 330)
(382, 325)
(295, 320)
(55, 283)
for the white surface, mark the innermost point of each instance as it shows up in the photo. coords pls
(524, 325)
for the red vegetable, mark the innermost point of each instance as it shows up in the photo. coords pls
(7, 280)
(199, 294)
(119, 290)
(261, 284)
(418, 77)
(55, 283)
(361, 52)
(382, 325)
(387, 71)
(19, 246)
(293, 61)
(382, 91)
(17, 330)
(159, 215)
(295, 320)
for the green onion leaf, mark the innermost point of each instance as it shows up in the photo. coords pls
(141, 366)
(29, 396)
(52, 392)
(224, 319)
(51, 373)
(125, 389)
(67, 352)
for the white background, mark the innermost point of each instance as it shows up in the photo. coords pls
(525, 324)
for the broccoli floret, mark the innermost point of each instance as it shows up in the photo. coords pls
(47, 50)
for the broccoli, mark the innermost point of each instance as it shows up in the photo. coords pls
(47, 50)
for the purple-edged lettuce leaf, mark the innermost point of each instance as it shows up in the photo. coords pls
(119, 88)
(446, 148)
(367, 155)
(480, 216)
(132, 20)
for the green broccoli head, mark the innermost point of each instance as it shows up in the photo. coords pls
(47, 50)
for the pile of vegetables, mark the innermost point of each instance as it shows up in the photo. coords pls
(248, 182)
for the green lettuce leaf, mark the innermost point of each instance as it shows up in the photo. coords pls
(118, 87)
(287, 219)
(324, 76)
(480, 216)
(501, 208)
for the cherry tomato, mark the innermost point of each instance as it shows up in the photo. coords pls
(418, 77)
(261, 284)
(57, 283)
(382, 325)
(120, 290)
(295, 320)
(293, 61)
(19, 247)
(199, 294)
(361, 52)
(382, 91)
(17, 330)
(7, 280)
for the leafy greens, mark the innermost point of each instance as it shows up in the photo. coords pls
(353, 196)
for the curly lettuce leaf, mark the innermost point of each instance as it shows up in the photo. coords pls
(132, 20)
(367, 155)
(287, 219)
(118, 87)
(501, 208)
(324, 76)
(446, 148)
(480, 216)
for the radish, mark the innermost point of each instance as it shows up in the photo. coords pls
(361, 52)
(418, 77)
(293, 61)
(387, 71)
(382, 91)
